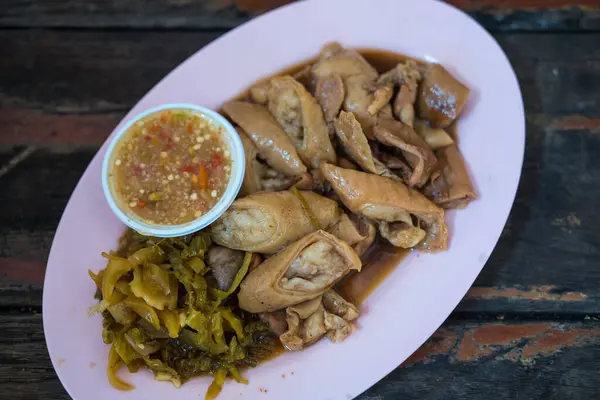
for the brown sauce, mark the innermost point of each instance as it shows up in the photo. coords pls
(384, 60)
(378, 263)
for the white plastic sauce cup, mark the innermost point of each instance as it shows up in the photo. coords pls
(238, 163)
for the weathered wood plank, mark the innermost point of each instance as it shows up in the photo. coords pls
(25, 368)
(210, 14)
(553, 211)
(23, 127)
(461, 360)
(33, 196)
(500, 361)
(51, 70)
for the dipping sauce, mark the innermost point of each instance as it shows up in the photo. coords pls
(171, 167)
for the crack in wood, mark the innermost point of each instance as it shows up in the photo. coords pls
(16, 160)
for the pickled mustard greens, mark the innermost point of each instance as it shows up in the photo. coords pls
(161, 310)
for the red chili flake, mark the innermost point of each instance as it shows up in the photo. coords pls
(188, 168)
(189, 128)
(141, 203)
(215, 160)
(169, 144)
(148, 138)
(137, 170)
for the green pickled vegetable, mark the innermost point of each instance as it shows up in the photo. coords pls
(171, 321)
(236, 351)
(125, 351)
(197, 265)
(153, 254)
(162, 372)
(104, 304)
(114, 363)
(141, 342)
(97, 278)
(122, 313)
(190, 367)
(135, 365)
(234, 322)
(122, 287)
(156, 278)
(109, 326)
(149, 283)
(217, 385)
(235, 374)
(116, 268)
(197, 247)
(216, 328)
(141, 308)
(162, 311)
(197, 321)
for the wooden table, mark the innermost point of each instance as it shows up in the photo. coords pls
(529, 328)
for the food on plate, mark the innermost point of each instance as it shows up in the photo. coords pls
(302, 271)
(451, 187)
(271, 142)
(436, 138)
(441, 98)
(356, 73)
(267, 222)
(359, 232)
(349, 164)
(330, 93)
(403, 140)
(259, 176)
(168, 305)
(170, 167)
(327, 315)
(406, 218)
(405, 77)
(302, 120)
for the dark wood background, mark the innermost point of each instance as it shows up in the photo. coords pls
(529, 328)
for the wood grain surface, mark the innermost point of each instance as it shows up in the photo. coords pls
(529, 328)
(496, 15)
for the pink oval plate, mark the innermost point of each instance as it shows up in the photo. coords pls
(412, 302)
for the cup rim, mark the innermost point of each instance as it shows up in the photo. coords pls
(238, 164)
